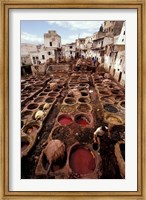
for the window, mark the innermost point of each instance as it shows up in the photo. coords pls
(122, 40)
(70, 47)
(124, 33)
(120, 75)
(43, 57)
(50, 44)
(37, 57)
(70, 52)
(49, 53)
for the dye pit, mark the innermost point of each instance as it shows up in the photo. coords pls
(72, 109)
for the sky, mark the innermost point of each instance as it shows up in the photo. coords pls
(32, 32)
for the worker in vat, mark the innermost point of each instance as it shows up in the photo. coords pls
(100, 131)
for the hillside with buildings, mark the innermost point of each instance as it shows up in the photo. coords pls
(108, 45)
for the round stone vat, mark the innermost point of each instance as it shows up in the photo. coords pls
(39, 83)
(50, 100)
(53, 94)
(106, 81)
(31, 128)
(43, 94)
(122, 104)
(101, 88)
(82, 120)
(41, 107)
(107, 100)
(84, 100)
(86, 85)
(72, 86)
(84, 108)
(39, 99)
(25, 114)
(82, 160)
(70, 95)
(32, 106)
(98, 81)
(68, 108)
(116, 91)
(70, 100)
(47, 90)
(83, 80)
(119, 98)
(104, 93)
(110, 108)
(65, 119)
(114, 119)
(84, 93)
(24, 145)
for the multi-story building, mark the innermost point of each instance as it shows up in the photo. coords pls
(41, 53)
(25, 53)
(80, 47)
(69, 51)
(114, 58)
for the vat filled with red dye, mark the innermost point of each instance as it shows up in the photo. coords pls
(82, 160)
(82, 120)
(65, 119)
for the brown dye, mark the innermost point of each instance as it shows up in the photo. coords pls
(32, 130)
(123, 104)
(24, 145)
(84, 108)
(70, 101)
(83, 100)
(50, 100)
(32, 106)
(39, 100)
(25, 114)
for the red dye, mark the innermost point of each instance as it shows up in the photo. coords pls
(82, 161)
(65, 121)
(82, 122)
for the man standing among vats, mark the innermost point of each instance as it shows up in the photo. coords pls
(100, 131)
